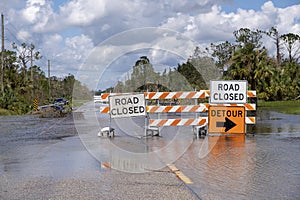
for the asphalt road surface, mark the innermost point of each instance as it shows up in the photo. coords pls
(63, 158)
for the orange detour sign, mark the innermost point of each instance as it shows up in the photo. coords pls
(226, 119)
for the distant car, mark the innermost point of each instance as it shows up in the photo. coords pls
(60, 101)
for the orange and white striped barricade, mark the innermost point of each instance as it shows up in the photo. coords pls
(179, 122)
(202, 94)
(197, 122)
(203, 107)
(193, 109)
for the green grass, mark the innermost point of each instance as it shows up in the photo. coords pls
(4, 112)
(287, 107)
(78, 103)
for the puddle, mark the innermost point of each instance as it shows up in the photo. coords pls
(261, 165)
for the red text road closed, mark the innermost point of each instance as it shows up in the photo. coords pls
(222, 119)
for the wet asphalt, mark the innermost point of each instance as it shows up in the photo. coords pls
(63, 158)
(44, 158)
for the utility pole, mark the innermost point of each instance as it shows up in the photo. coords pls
(31, 64)
(49, 83)
(31, 74)
(2, 53)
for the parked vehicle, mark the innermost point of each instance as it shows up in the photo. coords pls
(60, 101)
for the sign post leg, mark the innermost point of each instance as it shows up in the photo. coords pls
(145, 127)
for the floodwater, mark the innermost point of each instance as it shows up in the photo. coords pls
(263, 164)
(260, 167)
(35, 147)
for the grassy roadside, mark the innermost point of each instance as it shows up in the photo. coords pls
(78, 103)
(75, 104)
(287, 107)
(4, 112)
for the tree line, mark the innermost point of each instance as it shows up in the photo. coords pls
(274, 78)
(184, 77)
(22, 81)
(247, 58)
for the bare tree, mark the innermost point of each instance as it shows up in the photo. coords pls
(273, 33)
(26, 53)
(292, 44)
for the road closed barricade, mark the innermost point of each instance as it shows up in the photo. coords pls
(200, 112)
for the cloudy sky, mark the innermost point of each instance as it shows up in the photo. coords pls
(100, 40)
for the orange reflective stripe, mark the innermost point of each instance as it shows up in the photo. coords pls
(202, 122)
(151, 95)
(168, 108)
(162, 122)
(105, 95)
(178, 95)
(249, 106)
(189, 121)
(190, 95)
(106, 109)
(194, 109)
(202, 96)
(164, 95)
(175, 122)
(179, 109)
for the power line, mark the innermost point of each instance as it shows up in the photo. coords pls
(43, 61)
(14, 36)
(13, 31)
(9, 23)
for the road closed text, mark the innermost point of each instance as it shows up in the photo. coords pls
(128, 110)
(228, 97)
(127, 106)
(228, 92)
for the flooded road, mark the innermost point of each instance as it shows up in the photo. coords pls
(260, 167)
(43, 158)
(36, 148)
(264, 164)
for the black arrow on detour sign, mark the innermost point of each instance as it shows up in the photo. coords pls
(228, 124)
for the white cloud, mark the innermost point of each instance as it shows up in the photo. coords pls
(288, 19)
(263, 19)
(78, 47)
(32, 11)
(103, 62)
(97, 21)
(219, 26)
(212, 26)
(82, 12)
(52, 44)
(23, 35)
(66, 54)
(37, 14)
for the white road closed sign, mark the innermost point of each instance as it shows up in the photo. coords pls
(127, 106)
(228, 92)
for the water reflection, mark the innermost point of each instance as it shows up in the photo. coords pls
(274, 122)
(226, 166)
(261, 165)
(135, 155)
(271, 128)
(244, 167)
